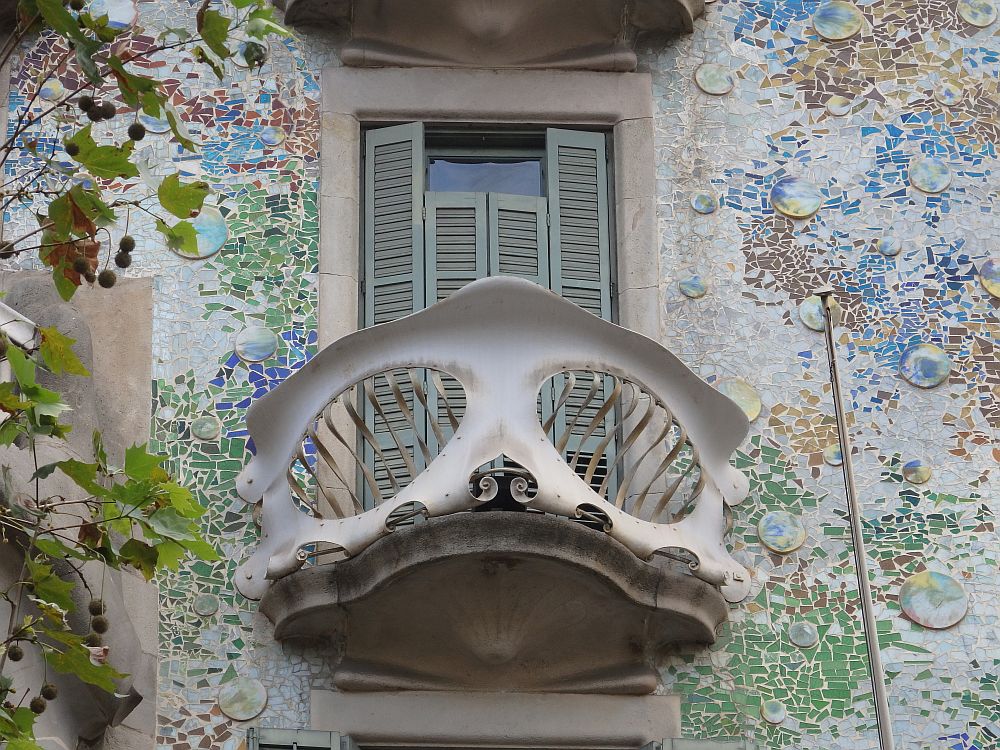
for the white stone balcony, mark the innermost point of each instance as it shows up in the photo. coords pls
(605, 459)
(555, 34)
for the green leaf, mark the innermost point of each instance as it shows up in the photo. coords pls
(22, 367)
(182, 199)
(56, 350)
(43, 472)
(100, 455)
(262, 23)
(214, 29)
(48, 586)
(139, 464)
(75, 659)
(55, 548)
(208, 57)
(169, 555)
(182, 236)
(11, 402)
(137, 90)
(52, 612)
(170, 524)
(85, 58)
(111, 161)
(58, 18)
(9, 430)
(181, 500)
(141, 556)
(85, 476)
(202, 549)
(178, 129)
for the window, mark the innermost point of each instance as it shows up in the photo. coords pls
(444, 207)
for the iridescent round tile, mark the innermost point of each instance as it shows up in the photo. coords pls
(211, 232)
(832, 455)
(796, 198)
(242, 698)
(837, 20)
(714, 79)
(154, 125)
(205, 605)
(811, 312)
(979, 13)
(917, 471)
(803, 634)
(122, 14)
(704, 203)
(743, 395)
(256, 343)
(52, 90)
(929, 174)
(924, 365)
(272, 136)
(773, 712)
(838, 105)
(693, 287)
(934, 600)
(989, 277)
(948, 93)
(889, 245)
(206, 427)
(781, 532)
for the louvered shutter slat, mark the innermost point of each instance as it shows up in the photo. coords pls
(394, 277)
(581, 266)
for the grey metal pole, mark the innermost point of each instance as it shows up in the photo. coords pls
(882, 718)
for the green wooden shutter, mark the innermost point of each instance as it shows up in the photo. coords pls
(394, 235)
(455, 238)
(393, 284)
(456, 242)
(580, 258)
(577, 175)
(519, 242)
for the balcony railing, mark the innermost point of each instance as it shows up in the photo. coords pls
(576, 417)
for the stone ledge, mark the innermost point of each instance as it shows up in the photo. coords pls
(556, 34)
(497, 601)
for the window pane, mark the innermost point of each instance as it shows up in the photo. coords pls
(449, 175)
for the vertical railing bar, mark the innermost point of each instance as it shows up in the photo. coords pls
(411, 467)
(882, 716)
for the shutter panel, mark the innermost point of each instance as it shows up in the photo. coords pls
(393, 284)
(394, 237)
(519, 242)
(580, 260)
(456, 242)
(577, 176)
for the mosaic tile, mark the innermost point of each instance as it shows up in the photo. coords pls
(856, 120)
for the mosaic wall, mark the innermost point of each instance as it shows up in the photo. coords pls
(855, 147)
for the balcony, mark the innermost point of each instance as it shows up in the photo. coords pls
(501, 492)
(557, 34)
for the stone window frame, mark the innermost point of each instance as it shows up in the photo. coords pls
(354, 97)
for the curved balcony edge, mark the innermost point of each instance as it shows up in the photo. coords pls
(497, 600)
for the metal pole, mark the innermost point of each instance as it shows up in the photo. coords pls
(882, 718)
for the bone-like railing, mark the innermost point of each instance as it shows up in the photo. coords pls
(634, 438)
(594, 423)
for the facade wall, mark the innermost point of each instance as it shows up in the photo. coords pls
(758, 267)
